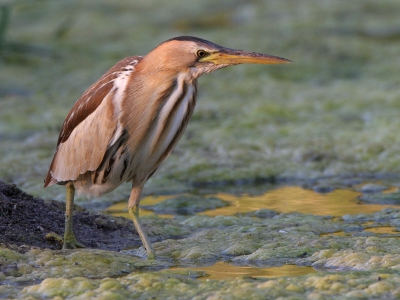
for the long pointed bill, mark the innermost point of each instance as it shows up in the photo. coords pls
(234, 57)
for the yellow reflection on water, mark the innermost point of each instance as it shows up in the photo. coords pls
(121, 208)
(378, 230)
(383, 230)
(223, 270)
(336, 233)
(296, 199)
(391, 190)
(285, 199)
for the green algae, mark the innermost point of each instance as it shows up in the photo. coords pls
(174, 285)
(257, 239)
(41, 264)
(382, 198)
(9, 255)
(285, 238)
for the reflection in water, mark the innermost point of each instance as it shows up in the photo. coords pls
(383, 230)
(222, 270)
(296, 199)
(121, 209)
(285, 199)
(377, 230)
(337, 233)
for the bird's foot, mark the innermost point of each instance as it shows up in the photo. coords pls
(151, 255)
(70, 242)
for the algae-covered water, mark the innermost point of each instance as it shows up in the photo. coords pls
(260, 254)
(325, 128)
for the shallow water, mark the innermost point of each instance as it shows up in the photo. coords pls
(283, 199)
(223, 270)
(383, 230)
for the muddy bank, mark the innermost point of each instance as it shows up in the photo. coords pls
(27, 221)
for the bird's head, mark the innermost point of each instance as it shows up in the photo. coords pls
(197, 56)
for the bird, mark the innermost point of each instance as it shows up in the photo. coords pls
(127, 123)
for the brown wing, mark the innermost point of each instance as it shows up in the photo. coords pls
(89, 127)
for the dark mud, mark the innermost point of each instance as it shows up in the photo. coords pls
(25, 221)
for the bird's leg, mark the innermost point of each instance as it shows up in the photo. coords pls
(70, 241)
(133, 208)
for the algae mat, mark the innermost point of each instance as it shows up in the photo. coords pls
(360, 263)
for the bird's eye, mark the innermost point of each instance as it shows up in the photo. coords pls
(201, 53)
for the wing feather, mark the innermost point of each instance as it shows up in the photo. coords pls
(90, 127)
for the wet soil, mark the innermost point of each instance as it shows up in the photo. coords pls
(25, 221)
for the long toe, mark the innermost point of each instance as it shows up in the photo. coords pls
(72, 244)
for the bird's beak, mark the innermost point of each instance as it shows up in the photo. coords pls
(234, 57)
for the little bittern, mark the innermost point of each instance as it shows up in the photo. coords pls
(126, 124)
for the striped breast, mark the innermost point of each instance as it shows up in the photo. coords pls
(167, 127)
(136, 154)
